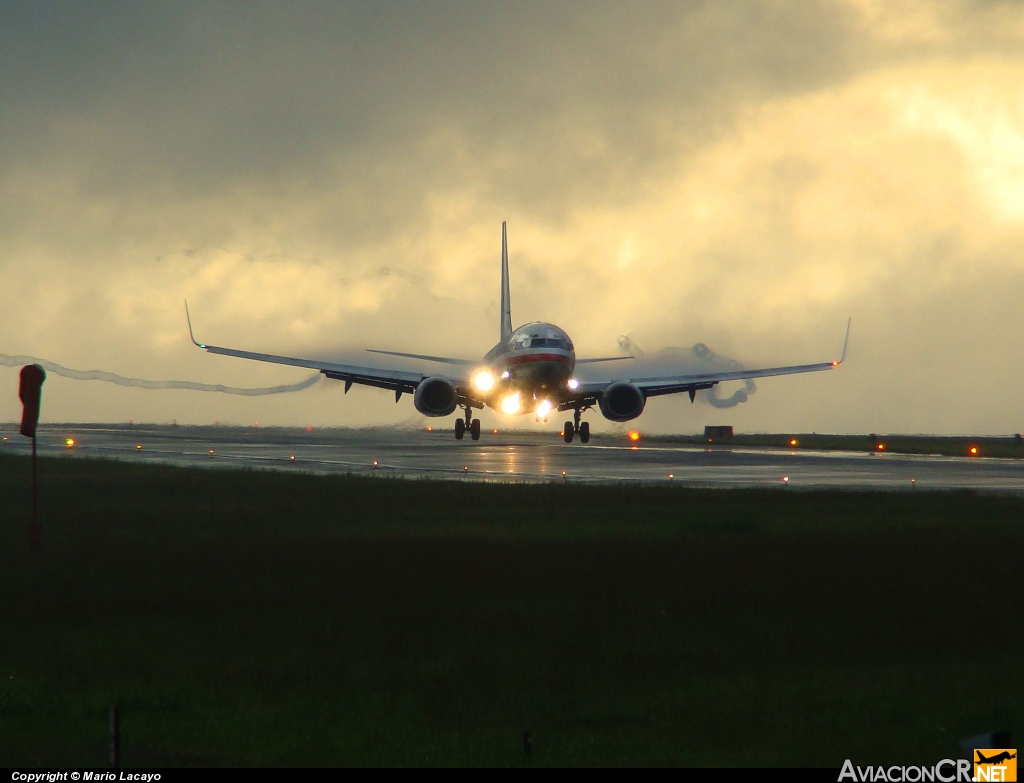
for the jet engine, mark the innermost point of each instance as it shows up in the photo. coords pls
(621, 402)
(436, 396)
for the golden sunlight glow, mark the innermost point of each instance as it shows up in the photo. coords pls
(543, 408)
(510, 404)
(634, 435)
(70, 442)
(483, 381)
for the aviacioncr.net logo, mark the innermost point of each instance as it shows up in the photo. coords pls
(946, 771)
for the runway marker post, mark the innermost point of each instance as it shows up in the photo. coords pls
(30, 390)
(115, 737)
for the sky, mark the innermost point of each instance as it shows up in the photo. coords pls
(319, 178)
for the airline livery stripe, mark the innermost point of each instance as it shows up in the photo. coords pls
(541, 357)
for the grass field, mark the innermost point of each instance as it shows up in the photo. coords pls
(243, 618)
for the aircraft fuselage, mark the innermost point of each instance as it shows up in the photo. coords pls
(536, 363)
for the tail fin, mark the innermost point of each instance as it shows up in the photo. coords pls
(506, 305)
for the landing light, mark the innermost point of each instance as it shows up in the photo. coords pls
(510, 404)
(483, 381)
(543, 408)
(573, 384)
(506, 375)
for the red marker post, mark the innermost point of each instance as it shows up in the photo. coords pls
(31, 392)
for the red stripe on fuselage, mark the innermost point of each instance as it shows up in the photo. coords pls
(540, 357)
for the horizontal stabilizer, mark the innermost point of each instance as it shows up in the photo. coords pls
(440, 359)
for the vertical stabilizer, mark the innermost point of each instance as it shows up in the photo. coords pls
(506, 305)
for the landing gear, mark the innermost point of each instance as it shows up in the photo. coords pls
(468, 423)
(576, 427)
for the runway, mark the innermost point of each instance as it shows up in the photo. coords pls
(539, 457)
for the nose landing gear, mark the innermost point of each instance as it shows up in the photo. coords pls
(469, 423)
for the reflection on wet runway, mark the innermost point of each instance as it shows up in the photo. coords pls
(530, 458)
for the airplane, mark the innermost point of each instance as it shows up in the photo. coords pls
(996, 759)
(530, 371)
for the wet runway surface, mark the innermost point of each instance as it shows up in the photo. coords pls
(519, 457)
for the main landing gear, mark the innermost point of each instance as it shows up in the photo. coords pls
(469, 423)
(575, 427)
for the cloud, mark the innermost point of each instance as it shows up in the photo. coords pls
(744, 175)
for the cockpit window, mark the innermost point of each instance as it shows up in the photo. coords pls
(522, 341)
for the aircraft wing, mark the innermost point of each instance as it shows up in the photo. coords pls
(399, 381)
(693, 382)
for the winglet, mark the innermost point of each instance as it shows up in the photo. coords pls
(189, 319)
(846, 343)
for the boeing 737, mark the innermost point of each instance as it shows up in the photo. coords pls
(530, 371)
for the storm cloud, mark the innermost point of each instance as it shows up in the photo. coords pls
(743, 175)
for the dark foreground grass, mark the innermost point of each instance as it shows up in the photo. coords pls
(263, 618)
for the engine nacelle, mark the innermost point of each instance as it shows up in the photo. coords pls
(436, 396)
(622, 401)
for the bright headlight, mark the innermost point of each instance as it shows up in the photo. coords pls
(483, 381)
(510, 404)
(573, 384)
(543, 408)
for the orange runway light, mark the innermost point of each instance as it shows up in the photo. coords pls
(671, 476)
(293, 458)
(309, 429)
(785, 480)
(974, 451)
(69, 442)
(634, 435)
(429, 428)
(5, 437)
(211, 452)
(880, 447)
(495, 432)
(560, 434)
(793, 442)
(138, 447)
